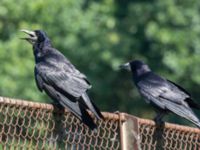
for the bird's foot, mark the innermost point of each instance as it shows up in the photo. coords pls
(116, 112)
(54, 103)
(159, 122)
(57, 105)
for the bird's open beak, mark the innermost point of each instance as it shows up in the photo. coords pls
(32, 36)
(125, 66)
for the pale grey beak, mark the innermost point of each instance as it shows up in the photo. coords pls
(32, 36)
(31, 33)
(125, 66)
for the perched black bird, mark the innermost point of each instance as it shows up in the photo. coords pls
(55, 75)
(163, 94)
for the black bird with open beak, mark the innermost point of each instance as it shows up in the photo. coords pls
(163, 94)
(55, 75)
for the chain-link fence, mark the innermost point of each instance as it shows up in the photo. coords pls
(36, 126)
(170, 137)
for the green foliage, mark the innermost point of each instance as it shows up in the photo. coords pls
(97, 36)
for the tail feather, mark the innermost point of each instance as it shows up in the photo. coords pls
(185, 112)
(86, 119)
(98, 111)
(91, 106)
(73, 106)
(80, 113)
(197, 123)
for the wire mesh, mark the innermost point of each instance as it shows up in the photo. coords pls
(169, 137)
(28, 125)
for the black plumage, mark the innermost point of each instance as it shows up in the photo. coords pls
(164, 95)
(55, 75)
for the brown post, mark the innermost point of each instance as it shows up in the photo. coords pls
(129, 132)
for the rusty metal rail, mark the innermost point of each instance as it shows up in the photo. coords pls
(29, 125)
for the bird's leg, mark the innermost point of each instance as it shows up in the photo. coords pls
(58, 105)
(158, 118)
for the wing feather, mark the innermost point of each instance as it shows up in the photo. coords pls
(156, 88)
(69, 83)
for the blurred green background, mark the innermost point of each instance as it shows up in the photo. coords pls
(97, 36)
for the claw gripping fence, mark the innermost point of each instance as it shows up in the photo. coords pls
(36, 126)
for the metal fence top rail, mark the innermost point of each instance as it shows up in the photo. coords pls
(50, 107)
(170, 126)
